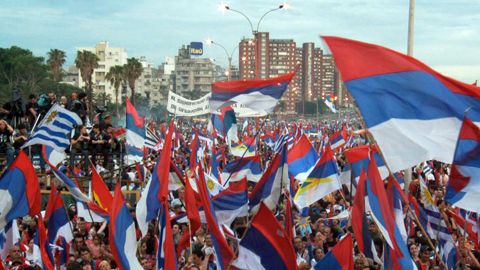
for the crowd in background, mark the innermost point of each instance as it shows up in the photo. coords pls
(97, 139)
(316, 232)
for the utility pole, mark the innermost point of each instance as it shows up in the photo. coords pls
(411, 16)
(411, 19)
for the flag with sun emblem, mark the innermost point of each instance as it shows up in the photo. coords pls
(55, 128)
(302, 222)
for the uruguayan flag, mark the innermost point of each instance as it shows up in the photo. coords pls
(55, 128)
(152, 141)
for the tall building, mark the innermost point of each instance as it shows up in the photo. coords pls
(329, 76)
(268, 58)
(71, 75)
(316, 77)
(311, 72)
(145, 85)
(163, 80)
(193, 74)
(108, 57)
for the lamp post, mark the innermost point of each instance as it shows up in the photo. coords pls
(210, 41)
(224, 7)
(411, 18)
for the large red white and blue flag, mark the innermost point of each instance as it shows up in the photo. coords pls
(265, 245)
(359, 157)
(59, 226)
(249, 167)
(122, 236)
(166, 257)
(340, 257)
(223, 252)
(360, 222)
(301, 158)
(135, 134)
(337, 140)
(268, 189)
(41, 244)
(156, 190)
(398, 95)
(225, 124)
(19, 191)
(377, 203)
(393, 259)
(260, 95)
(463, 188)
(322, 180)
(231, 202)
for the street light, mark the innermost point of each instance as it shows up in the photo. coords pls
(210, 41)
(222, 7)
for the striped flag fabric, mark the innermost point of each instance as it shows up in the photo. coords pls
(223, 252)
(55, 128)
(323, 180)
(302, 158)
(340, 257)
(135, 134)
(156, 190)
(377, 203)
(59, 227)
(269, 187)
(402, 259)
(249, 167)
(265, 245)
(360, 222)
(260, 95)
(463, 188)
(337, 140)
(438, 228)
(122, 237)
(464, 225)
(152, 141)
(19, 190)
(398, 95)
(166, 257)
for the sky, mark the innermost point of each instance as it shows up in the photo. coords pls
(447, 33)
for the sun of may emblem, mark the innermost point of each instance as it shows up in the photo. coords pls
(210, 184)
(52, 116)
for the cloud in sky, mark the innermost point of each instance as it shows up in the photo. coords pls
(447, 35)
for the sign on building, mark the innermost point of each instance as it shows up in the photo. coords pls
(196, 48)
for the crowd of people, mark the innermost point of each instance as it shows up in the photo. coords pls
(98, 139)
(317, 228)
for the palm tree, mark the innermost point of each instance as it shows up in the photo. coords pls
(86, 62)
(115, 76)
(56, 59)
(132, 71)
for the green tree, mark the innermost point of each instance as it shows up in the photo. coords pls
(56, 59)
(19, 68)
(61, 89)
(115, 76)
(192, 94)
(158, 112)
(132, 70)
(86, 62)
(103, 99)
